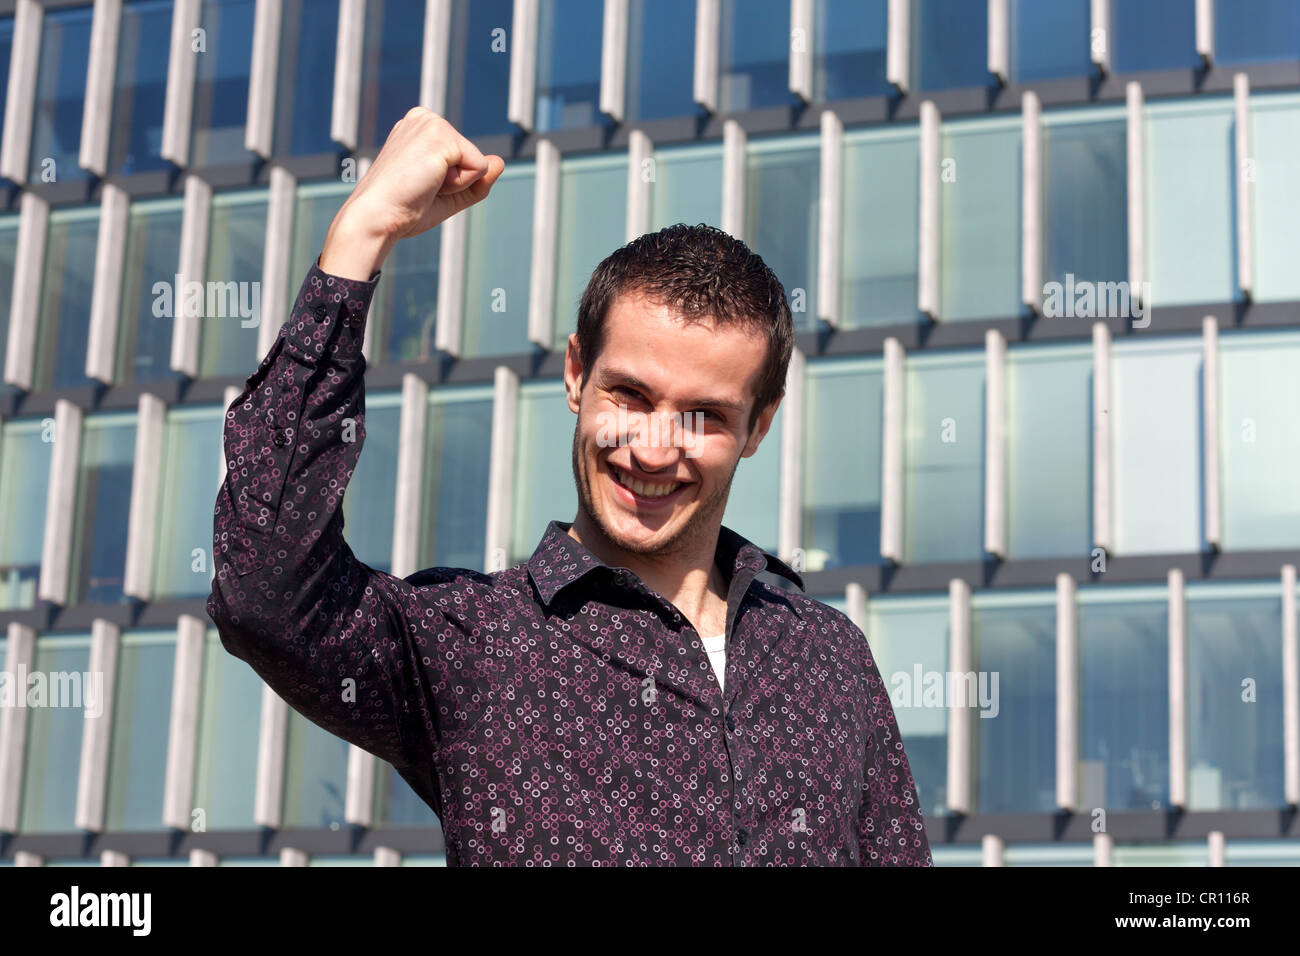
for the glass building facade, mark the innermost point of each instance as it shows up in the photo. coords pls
(1035, 516)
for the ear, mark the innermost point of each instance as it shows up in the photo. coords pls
(573, 373)
(761, 426)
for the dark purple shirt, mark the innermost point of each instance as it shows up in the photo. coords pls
(559, 711)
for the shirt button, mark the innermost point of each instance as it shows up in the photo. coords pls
(742, 837)
(281, 438)
(731, 724)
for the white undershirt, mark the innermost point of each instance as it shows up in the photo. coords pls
(717, 648)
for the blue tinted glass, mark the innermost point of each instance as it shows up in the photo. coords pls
(660, 59)
(543, 450)
(1014, 724)
(396, 803)
(65, 299)
(850, 49)
(498, 253)
(1260, 30)
(6, 50)
(1234, 695)
(141, 87)
(1153, 35)
(1050, 38)
(221, 84)
(687, 186)
(592, 224)
(404, 310)
(25, 451)
(1085, 199)
(52, 757)
(949, 44)
(1124, 698)
(305, 92)
(478, 75)
(753, 502)
(754, 55)
(841, 482)
(236, 240)
(103, 506)
(314, 209)
(60, 94)
(225, 773)
(144, 337)
(390, 69)
(191, 463)
(568, 64)
(1274, 141)
(369, 501)
(315, 775)
(781, 208)
(141, 714)
(8, 254)
(457, 456)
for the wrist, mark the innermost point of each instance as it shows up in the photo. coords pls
(355, 247)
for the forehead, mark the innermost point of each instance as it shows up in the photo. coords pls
(669, 353)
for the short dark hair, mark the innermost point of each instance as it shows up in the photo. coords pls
(699, 272)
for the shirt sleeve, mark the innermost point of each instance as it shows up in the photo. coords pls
(329, 634)
(891, 831)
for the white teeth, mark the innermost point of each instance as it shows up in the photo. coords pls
(641, 488)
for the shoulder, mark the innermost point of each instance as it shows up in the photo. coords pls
(808, 615)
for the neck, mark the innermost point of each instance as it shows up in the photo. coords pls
(689, 579)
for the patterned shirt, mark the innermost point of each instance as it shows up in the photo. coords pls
(558, 712)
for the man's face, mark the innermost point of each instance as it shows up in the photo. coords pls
(663, 371)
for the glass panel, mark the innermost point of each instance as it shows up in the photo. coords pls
(458, 450)
(8, 253)
(390, 69)
(135, 141)
(1050, 38)
(25, 453)
(1124, 697)
(1155, 413)
(949, 44)
(1049, 854)
(1191, 253)
(1153, 35)
(943, 458)
(781, 205)
(568, 64)
(753, 503)
(881, 186)
(1049, 443)
(191, 467)
(841, 482)
(315, 775)
(1162, 854)
(304, 91)
(144, 337)
(1013, 648)
(1263, 30)
(236, 240)
(478, 75)
(660, 60)
(370, 499)
(396, 803)
(104, 477)
(1275, 139)
(687, 186)
(60, 95)
(411, 859)
(543, 451)
(221, 84)
(65, 299)
(849, 50)
(52, 757)
(753, 55)
(1261, 853)
(225, 770)
(499, 250)
(1259, 439)
(404, 310)
(137, 763)
(980, 208)
(1234, 694)
(315, 206)
(6, 51)
(592, 224)
(341, 861)
(1085, 197)
(908, 637)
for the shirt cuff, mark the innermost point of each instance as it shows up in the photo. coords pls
(329, 317)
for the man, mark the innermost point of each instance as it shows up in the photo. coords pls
(566, 710)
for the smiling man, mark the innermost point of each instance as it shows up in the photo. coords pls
(630, 694)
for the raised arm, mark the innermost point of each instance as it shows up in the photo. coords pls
(329, 634)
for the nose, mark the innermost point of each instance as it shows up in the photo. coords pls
(655, 442)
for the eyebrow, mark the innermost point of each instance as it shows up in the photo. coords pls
(610, 377)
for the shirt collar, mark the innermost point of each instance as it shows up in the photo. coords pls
(560, 560)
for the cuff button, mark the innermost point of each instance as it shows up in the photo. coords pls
(319, 312)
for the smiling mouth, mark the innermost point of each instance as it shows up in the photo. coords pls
(642, 488)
